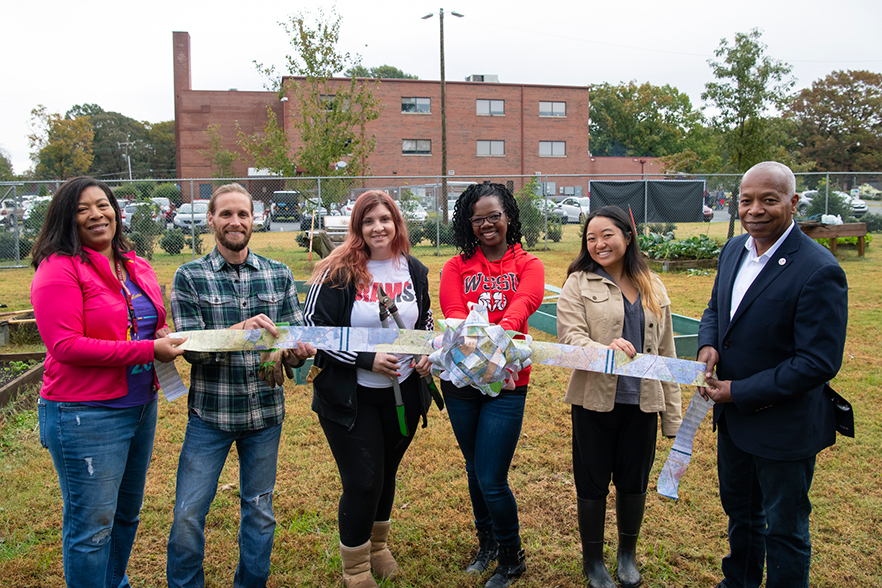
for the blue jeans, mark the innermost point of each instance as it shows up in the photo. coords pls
(487, 430)
(202, 459)
(101, 456)
(768, 507)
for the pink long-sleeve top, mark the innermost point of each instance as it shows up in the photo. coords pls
(82, 316)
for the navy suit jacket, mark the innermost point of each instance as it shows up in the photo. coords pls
(783, 344)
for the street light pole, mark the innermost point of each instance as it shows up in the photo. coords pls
(444, 169)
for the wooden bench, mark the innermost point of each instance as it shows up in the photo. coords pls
(832, 232)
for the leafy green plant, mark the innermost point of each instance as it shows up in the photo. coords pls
(7, 246)
(873, 221)
(414, 231)
(668, 248)
(555, 230)
(442, 232)
(172, 241)
(195, 242)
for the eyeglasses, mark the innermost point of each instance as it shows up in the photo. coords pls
(477, 221)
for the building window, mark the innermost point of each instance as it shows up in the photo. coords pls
(552, 108)
(552, 148)
(416, 146)
(491, 148)
(490, 107)
(416, 105)
(327, 102)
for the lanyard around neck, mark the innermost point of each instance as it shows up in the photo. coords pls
(133, 320)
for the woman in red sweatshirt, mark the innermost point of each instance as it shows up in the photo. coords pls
(491, 269)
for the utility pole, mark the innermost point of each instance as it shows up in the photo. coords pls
(127, 156)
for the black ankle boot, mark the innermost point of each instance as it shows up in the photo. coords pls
(512, 564)
(592, 516)
(487, 552)
(629, 517)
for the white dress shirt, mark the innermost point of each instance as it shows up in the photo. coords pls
(751, 266)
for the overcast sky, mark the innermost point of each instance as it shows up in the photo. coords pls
(119, 55)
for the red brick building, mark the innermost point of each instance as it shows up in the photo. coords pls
(492, 128)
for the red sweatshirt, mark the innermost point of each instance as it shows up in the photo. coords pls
(511, 288)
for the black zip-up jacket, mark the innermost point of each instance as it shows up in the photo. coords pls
(333, 395)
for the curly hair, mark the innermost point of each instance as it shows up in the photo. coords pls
(347, 263)
(464, 235)
(59, 233)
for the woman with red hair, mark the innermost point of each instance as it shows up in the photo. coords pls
(353, 393)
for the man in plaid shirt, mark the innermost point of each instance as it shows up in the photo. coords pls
(230, 288)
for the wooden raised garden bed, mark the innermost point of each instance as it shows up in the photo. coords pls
(12, 382)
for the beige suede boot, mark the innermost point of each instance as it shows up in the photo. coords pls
(357, 566)
(382, 562)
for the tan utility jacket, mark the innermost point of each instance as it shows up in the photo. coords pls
(590, 313)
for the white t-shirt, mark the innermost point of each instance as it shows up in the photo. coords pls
(394, 277)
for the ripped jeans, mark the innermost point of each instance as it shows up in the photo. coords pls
(202, 458)
(101, 456)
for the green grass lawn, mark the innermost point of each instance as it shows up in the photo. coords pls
(681, 544)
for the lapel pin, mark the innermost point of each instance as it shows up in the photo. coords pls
(782, 261)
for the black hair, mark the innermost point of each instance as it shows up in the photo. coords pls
(634, 264)
(464, 235)
(59, 233)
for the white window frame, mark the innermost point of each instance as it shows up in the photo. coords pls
(491, 148)
(493, 107)
(553, 110)
(553, 148)
(416, 151)
(417, 102)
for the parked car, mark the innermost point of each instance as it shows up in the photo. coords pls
(32, 203)
(574, 210)
(10, 213)
(286, 204)
(414, 211)
(166, 207)
(708, 213)
(346, 208)
(262, 220)
(858, 206)
(129, 212)
(192, 216)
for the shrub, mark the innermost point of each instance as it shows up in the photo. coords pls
(172, 241)
(194, 243)
(414, 231)
(143, 244)
(36, 218)
(432, 233)
(555, 230)
(7, 246)
(873, 221)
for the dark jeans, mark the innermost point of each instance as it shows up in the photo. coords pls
(487, 430)
(368, 456)
(768, 507)
(619, 444)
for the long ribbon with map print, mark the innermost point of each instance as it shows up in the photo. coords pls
(480, 354)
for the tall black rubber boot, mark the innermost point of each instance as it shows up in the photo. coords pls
(512, 564)
(592, 517)
(487, 552)
(629, 517)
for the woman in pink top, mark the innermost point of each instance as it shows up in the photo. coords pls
(101, 315)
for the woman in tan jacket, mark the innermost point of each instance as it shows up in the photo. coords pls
(612, 301)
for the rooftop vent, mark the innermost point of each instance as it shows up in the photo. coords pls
(483, 78)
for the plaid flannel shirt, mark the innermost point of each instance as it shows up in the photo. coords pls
(208, 294)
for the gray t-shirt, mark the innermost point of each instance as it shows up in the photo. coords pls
(628, 388)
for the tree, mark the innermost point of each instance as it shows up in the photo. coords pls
(751, 85)
(644, 120)
(380, 72)
(114, 137)
(330, 118)
(269, 149)
(62, 148)
(839, 121)
(161, 148)
(6, 174)
(220, 157)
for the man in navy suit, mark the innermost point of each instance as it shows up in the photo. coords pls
(774, 329)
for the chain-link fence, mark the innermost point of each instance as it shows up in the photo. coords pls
(168, 217)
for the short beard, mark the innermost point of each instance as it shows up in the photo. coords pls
(238, 246)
